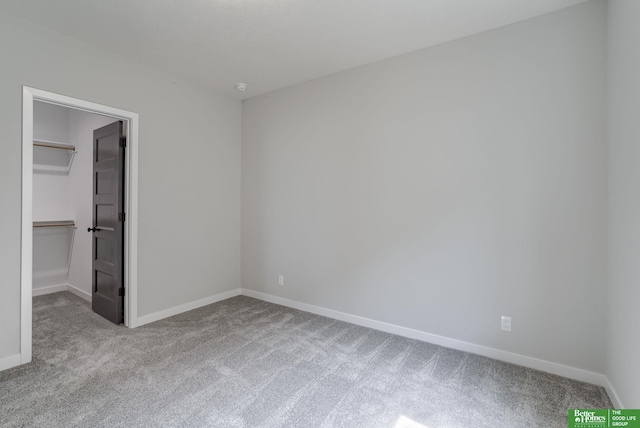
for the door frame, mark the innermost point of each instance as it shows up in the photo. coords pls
(29, 95)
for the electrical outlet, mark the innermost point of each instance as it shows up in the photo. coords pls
(280, 279)
(505, 324)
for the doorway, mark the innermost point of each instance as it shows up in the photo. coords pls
(129, 123)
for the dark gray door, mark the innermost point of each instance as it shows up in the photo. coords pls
(108, 222)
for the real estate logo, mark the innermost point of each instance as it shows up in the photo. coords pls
(603, 418)
(589, 418)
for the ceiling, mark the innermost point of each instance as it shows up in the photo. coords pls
(270, 44)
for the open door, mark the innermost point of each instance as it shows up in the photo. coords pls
(108, 222)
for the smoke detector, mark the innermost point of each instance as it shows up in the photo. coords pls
(241, 86)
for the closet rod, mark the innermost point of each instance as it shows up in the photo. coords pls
(54, 145)
(63, 223)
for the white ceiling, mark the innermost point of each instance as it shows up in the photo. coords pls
(270, 44)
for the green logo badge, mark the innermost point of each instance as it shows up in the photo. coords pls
(603, 418)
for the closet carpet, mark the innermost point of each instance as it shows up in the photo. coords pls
(247, 363)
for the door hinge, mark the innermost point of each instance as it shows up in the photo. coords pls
(120, 292)
(123, 141)
(121, 217)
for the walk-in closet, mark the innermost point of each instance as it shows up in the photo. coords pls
(62, 198)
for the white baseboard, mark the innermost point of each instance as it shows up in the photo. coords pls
(48, 290)
(9, 362)
(509, 357)
(156, 316)
(80, 293)
(613, 395)
(62, 287)
(522, 360)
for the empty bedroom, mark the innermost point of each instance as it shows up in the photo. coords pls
(242, 213)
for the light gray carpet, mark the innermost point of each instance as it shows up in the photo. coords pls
(246, 363)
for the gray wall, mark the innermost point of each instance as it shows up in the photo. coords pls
(444, 188)
(189, 167)
(623, 347)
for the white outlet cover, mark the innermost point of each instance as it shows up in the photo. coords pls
(505, 323)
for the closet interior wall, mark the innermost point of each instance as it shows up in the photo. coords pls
(62, 184)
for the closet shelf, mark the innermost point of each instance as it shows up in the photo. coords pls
(56, 164)
(55, 223)
(54, 145)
